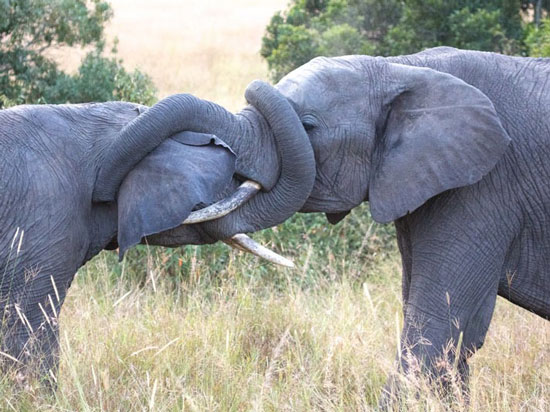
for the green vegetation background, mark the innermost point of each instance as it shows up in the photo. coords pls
(308, 28)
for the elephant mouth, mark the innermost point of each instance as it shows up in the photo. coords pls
(239, 241)
(272, 150)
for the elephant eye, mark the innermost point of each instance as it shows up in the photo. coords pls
(308, 126)
(308, 122)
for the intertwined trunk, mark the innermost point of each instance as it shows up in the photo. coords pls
(284, 167)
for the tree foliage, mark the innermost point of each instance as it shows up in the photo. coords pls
(538, 40)
(493, 25)
(30, 28)
(311, 28)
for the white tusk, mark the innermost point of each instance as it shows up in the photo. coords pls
(224, 206)
(242, 242)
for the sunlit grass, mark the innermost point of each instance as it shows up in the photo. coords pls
(223, 331)
(209, 48)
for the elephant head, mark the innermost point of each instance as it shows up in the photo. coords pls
(392, 134)
(158, 175)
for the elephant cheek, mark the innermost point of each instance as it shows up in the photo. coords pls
(342, 156)
(338, 193)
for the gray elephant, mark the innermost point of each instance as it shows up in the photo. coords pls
(76, 179)
(454, 147)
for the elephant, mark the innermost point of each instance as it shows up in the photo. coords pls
(77, 179)
(453, 147)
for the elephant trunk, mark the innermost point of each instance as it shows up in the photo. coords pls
(142, 135)
(297, 167)
(283, 166)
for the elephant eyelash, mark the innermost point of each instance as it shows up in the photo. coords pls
(308, 122)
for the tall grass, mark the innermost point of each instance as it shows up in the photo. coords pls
(211, 329)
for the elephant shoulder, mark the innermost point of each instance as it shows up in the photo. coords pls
(52, 149)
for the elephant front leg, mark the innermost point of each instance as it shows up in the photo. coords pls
(449, 302)
(30, 330)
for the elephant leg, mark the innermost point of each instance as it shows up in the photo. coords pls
(434, 343)
(449, 298)
(437, 342)
(30, 327)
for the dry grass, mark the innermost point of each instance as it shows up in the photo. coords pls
(209, 48)
(223, 332)
(244, 341)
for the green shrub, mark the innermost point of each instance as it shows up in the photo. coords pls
(336, 27)
(538, 40)
(29, 28)
(321, 252)
(330, 27)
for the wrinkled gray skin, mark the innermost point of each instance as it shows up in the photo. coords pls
(454, 147)
(76, 179)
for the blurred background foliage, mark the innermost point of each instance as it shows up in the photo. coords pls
(30, 29)
(310, 28)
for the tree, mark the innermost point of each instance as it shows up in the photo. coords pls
(538, 7)
(29, 28)
(492, 25)
(311, 28)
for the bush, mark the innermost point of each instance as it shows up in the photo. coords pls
(494, 25)
(538, 40)
(355, 247)
(331, 27)
(29, 28)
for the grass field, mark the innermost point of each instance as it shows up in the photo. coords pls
(210, 329)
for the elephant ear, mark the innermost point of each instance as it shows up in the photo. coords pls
(438, 133)
(184, 172)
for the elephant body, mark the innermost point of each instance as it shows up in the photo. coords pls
(510, 207)
(492, 237)
(39, 246)
(454, 147)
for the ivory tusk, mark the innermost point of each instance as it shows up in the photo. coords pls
(243, 242)
(224, 206)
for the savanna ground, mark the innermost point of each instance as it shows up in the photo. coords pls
(211, 329)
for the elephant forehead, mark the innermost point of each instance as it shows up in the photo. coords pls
(320, 85)
(298, 88)
(307, 94)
